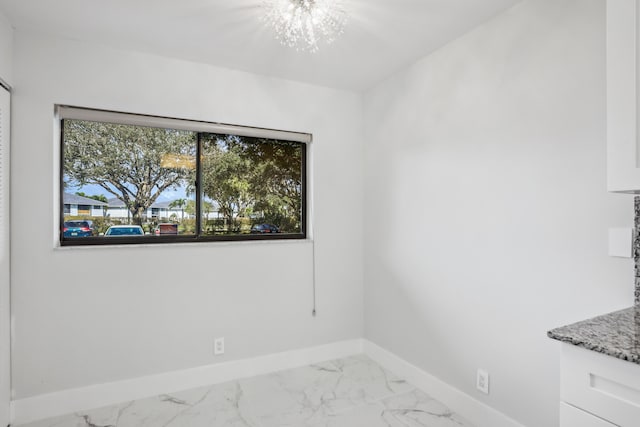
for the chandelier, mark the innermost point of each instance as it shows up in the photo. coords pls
(302, 24)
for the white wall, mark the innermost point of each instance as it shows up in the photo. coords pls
(6, 50)
(6, 76)
(91, 315)
(486, 188)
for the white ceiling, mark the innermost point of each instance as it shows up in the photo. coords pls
(381, 37)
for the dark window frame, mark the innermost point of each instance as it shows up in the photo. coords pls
(200, 127)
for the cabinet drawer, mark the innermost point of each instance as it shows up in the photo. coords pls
(574, 417)
(601, 385)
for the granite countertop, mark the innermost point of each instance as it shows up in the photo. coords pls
(615, 334)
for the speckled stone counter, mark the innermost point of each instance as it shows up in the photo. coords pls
(636, 246)
(615, 334)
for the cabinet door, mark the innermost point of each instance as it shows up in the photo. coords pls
(570, 416)
(601, 385)
(623, 153)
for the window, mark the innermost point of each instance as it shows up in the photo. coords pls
(84, 209)
(160, 180)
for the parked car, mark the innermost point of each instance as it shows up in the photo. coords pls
(124, 230)
(264, 228)
(79, 228)
(167, 228)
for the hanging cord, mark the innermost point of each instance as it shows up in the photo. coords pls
(313, 273)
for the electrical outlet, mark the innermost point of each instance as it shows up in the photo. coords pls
(482, 381)
(218, 346)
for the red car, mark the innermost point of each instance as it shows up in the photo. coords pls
(163, 229)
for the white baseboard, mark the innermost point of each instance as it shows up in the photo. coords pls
(80, 399)
(478, 413)
(68, 401)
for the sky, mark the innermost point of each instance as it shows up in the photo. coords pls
(95, 190)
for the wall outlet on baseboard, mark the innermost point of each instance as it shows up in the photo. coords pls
(218, 346)
(482, 381)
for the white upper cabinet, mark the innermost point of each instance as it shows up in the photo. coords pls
(5, 293)
(623, 142)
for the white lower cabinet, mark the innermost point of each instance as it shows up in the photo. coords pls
(598, 390)
(571, 416)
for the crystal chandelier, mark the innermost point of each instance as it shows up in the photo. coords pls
(302, 24)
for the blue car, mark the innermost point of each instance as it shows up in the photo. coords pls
(264, 228)
(124, 230)
(77, 229)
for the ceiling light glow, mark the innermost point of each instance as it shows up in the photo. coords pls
(304, 24)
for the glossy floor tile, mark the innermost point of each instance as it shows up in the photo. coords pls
(350, 392)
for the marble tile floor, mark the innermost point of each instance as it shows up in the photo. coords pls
(350, 392)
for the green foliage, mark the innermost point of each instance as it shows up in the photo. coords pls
(127, 161)
(179, 203)
(225, 178)
(221, 226)
(100, 198)
(258, 178)
(278, 181)
(206, 206)
(187, 226)
(101, 224)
